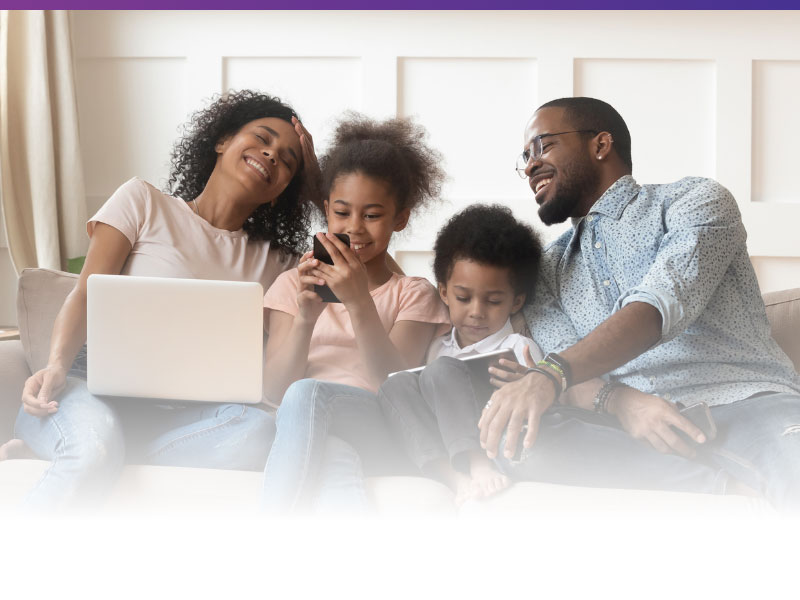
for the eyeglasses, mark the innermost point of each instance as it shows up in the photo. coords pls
(534, 151)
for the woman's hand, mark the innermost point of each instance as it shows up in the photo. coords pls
(311, 176)
(309, 304)
(506, 371)
(651, 419)
(347, 276)
(42, 389)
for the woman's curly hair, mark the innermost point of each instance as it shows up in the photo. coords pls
(489, 235)
(284, 223)
(394, 151)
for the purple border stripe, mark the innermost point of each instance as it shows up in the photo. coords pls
(405, 5)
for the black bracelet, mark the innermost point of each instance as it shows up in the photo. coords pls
(603, 395)
(558, 360)
(551, 376)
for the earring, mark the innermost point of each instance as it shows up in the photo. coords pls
(599, 157)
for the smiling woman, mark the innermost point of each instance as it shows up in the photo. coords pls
(241, 183)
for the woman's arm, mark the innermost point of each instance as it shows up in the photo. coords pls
(108, 250)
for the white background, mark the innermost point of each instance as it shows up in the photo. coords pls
(704, 93)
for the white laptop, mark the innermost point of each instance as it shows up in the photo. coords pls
(175, 339)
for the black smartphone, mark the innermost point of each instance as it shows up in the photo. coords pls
(321, 254)
(700, 415)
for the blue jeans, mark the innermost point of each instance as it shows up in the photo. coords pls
(328, 437)
(758, 443)
(89, 440)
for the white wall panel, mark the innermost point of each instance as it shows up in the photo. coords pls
(129, 110)
(319, 89)
(473, 109)
(776, 129)
(669, 107)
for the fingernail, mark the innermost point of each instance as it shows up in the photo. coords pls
(701, 439)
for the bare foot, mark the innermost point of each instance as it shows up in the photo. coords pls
(486, 479)
(15, 449)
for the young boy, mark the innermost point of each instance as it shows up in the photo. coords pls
(485, 265)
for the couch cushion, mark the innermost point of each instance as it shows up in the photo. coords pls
(39, 298)
(783, 311)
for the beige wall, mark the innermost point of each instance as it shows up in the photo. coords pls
(704, 93)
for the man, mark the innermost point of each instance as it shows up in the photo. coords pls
(653, 290)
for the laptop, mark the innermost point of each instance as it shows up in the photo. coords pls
(175, 339)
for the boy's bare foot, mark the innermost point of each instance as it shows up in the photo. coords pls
(15, 449)
(486, 479)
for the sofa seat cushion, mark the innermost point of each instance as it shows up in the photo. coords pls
(144, 489)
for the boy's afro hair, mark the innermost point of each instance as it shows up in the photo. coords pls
(489, 235)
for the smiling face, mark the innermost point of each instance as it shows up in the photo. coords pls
(366, 209)
(480, 298)
(262, 157)
(564, 178)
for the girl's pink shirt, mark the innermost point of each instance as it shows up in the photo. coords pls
(333, 355)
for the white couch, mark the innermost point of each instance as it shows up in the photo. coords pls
(158, 489)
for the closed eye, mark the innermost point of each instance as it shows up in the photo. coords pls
(462, 299)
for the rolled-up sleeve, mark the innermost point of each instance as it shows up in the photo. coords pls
(704, 232)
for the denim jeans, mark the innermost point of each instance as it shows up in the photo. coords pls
(329, 436)
(435, 413)
(89, 440)
(758, 443)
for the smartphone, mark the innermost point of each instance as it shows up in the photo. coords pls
(700, 415)
(321, 254)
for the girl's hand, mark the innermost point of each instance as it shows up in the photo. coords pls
(311, 176)
(347, 276)
(309, 304)
(507, 371)
(41, 391)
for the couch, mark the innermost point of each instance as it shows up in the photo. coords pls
(144, 488)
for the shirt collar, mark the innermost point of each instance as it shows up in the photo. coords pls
(487, 344)
(614, 199)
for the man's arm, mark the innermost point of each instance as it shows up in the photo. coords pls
(704, 233)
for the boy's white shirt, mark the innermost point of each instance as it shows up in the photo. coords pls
(447, 345)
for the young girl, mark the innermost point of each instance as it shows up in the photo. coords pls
(326, 360)
(234, 211)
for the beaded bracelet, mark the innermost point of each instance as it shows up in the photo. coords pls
(603, 395)
(551, 376)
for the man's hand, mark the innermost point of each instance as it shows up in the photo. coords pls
(515, 404)
(651, 419)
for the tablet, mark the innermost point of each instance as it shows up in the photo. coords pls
(478, 363)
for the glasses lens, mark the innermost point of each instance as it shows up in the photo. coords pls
(522, 162)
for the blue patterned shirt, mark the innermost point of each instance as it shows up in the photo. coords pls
(681, 248)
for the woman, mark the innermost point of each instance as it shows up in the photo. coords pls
(236, 211)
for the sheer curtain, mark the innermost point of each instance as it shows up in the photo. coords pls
(41, 176)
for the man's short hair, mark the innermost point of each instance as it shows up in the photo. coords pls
(591, 113)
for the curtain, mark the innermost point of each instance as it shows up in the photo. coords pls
(41, 176)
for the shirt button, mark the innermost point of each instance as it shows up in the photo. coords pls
(590, 218)
(598, 245)
(652, 380)
(667, 397)
(606, 283)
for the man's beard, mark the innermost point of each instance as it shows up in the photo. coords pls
(574, 181)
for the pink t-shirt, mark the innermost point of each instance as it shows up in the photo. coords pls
(333, 355)
(169, 240)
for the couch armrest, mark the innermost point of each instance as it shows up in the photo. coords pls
(783, 312)
(13, 373)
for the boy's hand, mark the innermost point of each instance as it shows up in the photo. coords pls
(506, 371)
(347, 276)
(309, 304)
